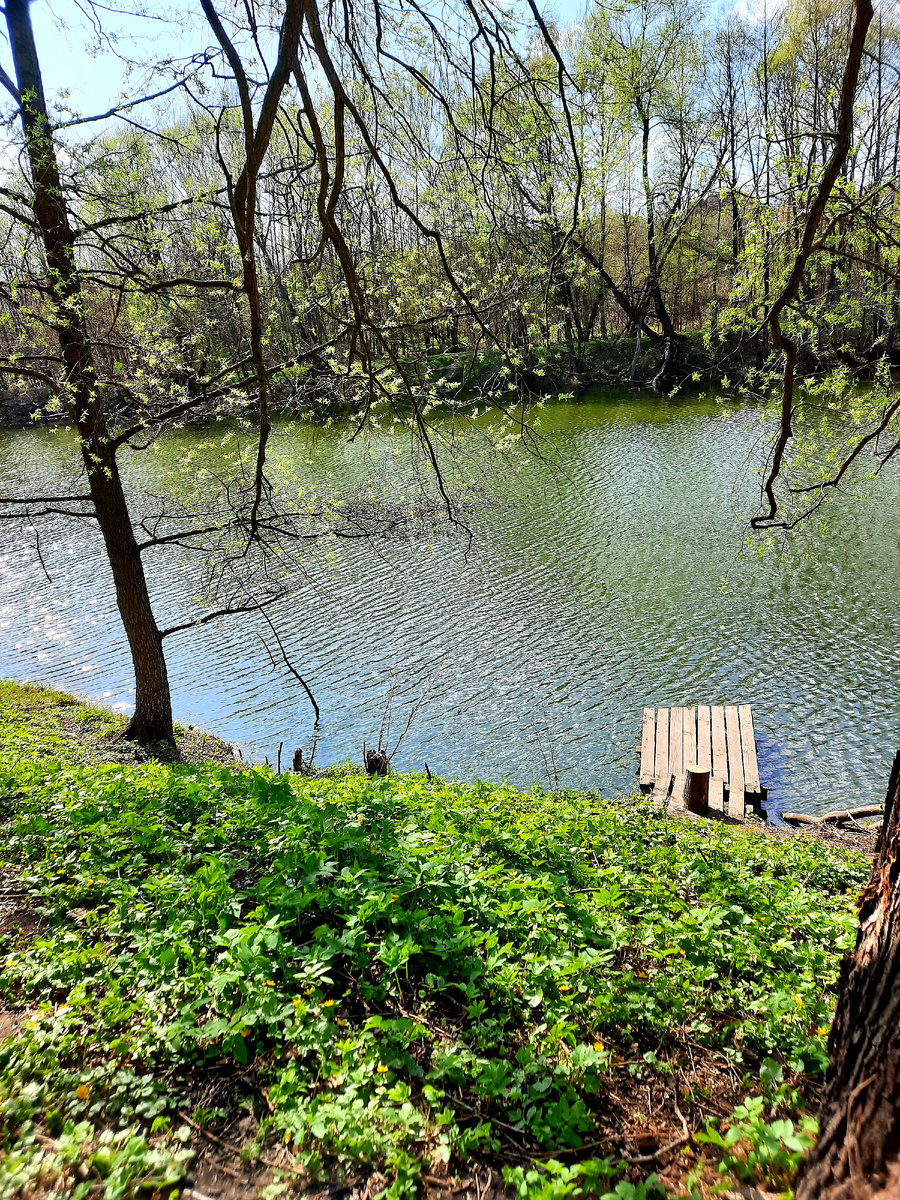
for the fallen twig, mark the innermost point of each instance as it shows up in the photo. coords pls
(236, 1150)
(637, 1160)
(836, 817)
(434, 1181)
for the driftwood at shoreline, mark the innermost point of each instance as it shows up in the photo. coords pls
(836, 817)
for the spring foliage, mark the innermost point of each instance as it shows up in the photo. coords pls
(409, 968)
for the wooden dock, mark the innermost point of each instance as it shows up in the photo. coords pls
(719, 738)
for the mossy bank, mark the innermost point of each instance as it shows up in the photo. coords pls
(224, 981)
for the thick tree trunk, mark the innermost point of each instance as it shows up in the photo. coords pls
(857, 1155)
(152, 720)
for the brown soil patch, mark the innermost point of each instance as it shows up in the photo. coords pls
(860, 839)
(191, 745)
(844, 837)
(10, 1023)
(857, 837)
(16, 912)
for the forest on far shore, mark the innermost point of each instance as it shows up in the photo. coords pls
(538, 208)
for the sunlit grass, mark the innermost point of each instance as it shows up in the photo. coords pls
(410, 972)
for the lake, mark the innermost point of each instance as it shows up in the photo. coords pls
(586, 594)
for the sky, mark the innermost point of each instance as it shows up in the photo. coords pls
(71, 61)
(95, 76)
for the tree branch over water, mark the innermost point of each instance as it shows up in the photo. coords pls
(862, 17)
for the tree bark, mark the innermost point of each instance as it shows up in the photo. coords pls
(152, 720)
(696, 789)
(654, 275)
(857, 1155)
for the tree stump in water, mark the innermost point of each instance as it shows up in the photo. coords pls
(376, 762)
(696, 789)
(857, 1155)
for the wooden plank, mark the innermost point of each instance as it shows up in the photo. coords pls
(733, 742)
(716, 794)
(736, 799)
(676, 800)
(748, 749)
(719, 750)
(704, 756)
(690, 737)
(647, 748)
(661, 787)
(676, 741)
(662, 744)
(735, 763)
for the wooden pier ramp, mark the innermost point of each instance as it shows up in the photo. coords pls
(717, 738)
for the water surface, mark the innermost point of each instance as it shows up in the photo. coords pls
(584, 596)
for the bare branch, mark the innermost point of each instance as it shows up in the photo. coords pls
(227, 611)
(861, 20)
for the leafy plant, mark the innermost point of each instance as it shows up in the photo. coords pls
(413, 970)
(760, 1151)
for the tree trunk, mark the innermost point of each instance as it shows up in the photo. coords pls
(654, 280)
(857, 1155)
(152, 720)
(696, 789)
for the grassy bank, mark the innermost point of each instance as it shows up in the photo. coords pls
(222, 978)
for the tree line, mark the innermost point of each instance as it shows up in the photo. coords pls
(642, 175)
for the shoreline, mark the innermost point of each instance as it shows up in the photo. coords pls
(97, 731)
(214, 979)
(545, 371)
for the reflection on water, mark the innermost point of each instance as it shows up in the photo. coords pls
(616, 585)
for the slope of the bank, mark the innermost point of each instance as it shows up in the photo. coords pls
(228, 980)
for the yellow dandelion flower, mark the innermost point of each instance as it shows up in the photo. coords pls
(82, 1091)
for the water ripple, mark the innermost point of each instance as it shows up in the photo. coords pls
(616, 586)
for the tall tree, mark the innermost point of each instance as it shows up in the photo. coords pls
(329, 98)
(650, 55)
(857, 1154)
(152, 719)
